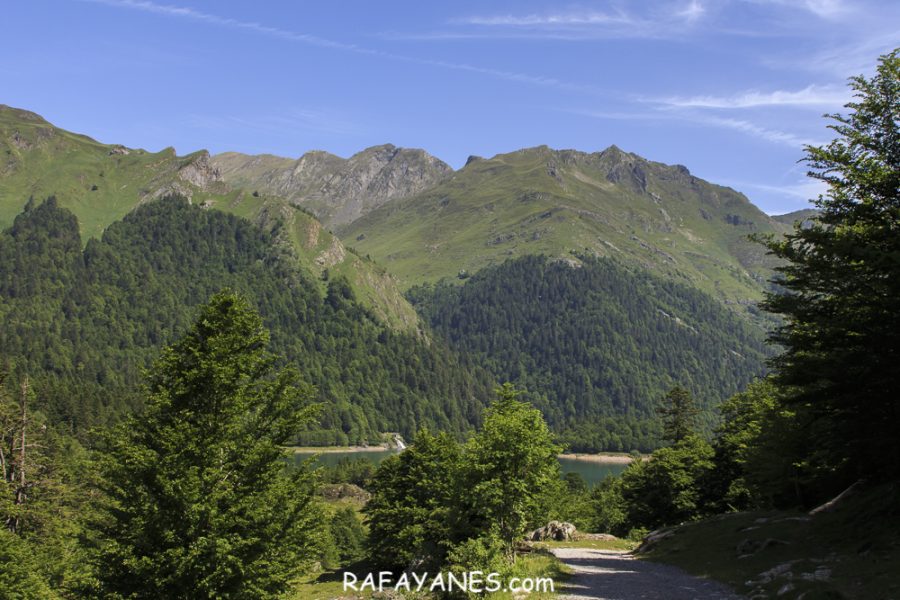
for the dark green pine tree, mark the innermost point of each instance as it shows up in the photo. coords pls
(200, 503)
(841, 289)
(679, 414)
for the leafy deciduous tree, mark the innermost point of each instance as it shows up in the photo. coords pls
(841, 287)
(412, 497)
(512, 472)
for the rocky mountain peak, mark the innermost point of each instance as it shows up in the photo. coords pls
(199, 171)
(338, 190)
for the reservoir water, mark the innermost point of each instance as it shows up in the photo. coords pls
(592, 472)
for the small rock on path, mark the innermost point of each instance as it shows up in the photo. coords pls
(617, 575)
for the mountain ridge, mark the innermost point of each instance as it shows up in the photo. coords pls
(544, 201)
(102, 183)
(335, 189)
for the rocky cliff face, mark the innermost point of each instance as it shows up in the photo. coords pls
(199, 172)
(337, 190)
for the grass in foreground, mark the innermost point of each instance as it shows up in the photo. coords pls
(851, 552)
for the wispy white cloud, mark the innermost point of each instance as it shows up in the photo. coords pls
(665, 21)
(260, 29)
(808, 189)
(211, 19)
(794, 196)
(812, 95)
(844, 59)
(824, 9)
(692, 12)
(828, 9)
(547, 20)
(749, 128)
(754, 130)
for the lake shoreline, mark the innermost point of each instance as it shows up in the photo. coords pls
(335, 449)
(608, 458)
(603, 458)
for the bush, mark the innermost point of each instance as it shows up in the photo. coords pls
(667, 489)
(348, 535)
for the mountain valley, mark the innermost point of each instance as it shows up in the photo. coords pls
(592, 233)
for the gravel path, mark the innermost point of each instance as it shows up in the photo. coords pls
(613, 575)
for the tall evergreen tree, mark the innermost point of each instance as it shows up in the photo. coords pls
(201, 505)
(841, 287)
(679, 414)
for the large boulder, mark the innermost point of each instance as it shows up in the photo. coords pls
(559, 531)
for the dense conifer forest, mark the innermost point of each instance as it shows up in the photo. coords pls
(596, 345)
(85, 321)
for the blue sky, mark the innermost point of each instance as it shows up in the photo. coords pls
(730, 88)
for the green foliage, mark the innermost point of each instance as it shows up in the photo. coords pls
(45, 494)
(510, 473)
(857, 542)
(667, 488)
(756, 447)
(348, 535)
(42, 159)
(610, 509)
(413, 494)
(679, 414)
(573, 503)
(85, 323)
(200, 503)
(840, 291)
(595, 344)
(438, 497)
(21, 571)
(487, 553)
(358, 471)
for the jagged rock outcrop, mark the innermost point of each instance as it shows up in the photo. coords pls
(199, 171)
(336, 190)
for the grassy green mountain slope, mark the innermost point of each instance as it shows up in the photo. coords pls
(99, 183)
(336, 190)
(102, 183)
(543, 201)
(303, 236)
(797, 215)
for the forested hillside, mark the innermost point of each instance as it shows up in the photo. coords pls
(595, 343)
(85, 320)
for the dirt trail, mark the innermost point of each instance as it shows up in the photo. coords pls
(617, 575)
